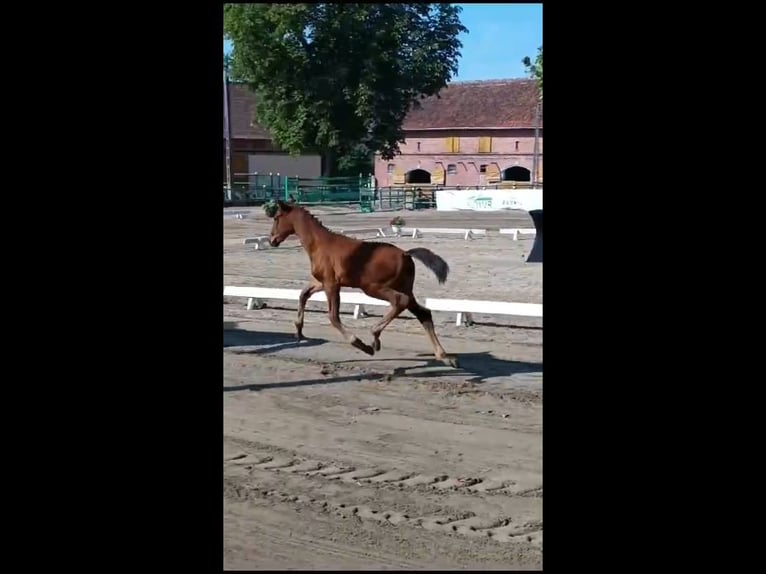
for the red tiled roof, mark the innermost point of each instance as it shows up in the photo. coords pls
(483, 104)
(243, 114)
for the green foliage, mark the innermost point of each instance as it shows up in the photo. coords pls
(535, 69)
(340, 78)
(357, 160)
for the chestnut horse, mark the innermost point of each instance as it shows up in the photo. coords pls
(381, 270)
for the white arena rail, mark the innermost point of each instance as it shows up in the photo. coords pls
(256, 295)
(378, 231)
(262, 241)
(419, 231)
(518, 231)
(464, 308)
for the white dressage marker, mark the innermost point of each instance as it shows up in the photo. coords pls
(518, 231)
(378, 231)
(262, 241)
(256, 295)
(464, 307)
(466, 233)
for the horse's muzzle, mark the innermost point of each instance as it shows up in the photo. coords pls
(274, 241)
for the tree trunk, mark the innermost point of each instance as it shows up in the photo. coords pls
(328, 167)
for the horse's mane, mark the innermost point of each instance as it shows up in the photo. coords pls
(311, 216)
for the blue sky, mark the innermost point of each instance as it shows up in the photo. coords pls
(500, 36)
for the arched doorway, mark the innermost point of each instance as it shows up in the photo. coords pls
(417, 176)
(517, 173)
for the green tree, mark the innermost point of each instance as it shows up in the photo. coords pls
(535, 69)
(228, 65)
(340, 78)
(358, 160)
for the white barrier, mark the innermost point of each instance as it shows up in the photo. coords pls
(378, 231)
(417, 232)
(256, 295)
(518, 231)
(262, 241)
(464, 308)
(466, 233)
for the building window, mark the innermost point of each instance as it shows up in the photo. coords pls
(485, 145)
(517, 145)
(483, 168)
(453, 145)
(451, 169)
(390, 169)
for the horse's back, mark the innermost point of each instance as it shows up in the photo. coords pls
(372, 262)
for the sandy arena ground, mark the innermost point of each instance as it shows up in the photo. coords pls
(337, 460)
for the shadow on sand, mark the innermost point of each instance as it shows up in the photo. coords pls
(473, 368)
(275, 341)
(323, 381)
(507, 326)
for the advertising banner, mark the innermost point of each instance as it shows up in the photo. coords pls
(488, 199)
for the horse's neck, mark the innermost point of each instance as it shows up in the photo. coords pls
(310, 232)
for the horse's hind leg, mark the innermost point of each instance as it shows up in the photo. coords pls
(333, 303)
(399, 302)
(424, 316)
(302, 299)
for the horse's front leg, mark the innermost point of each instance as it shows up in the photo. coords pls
(333, 303)
(305, 295)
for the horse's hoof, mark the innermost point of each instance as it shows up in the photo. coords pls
(299, 336)
(362, 346)
(369, 350)
(450, 362)
(376, 344)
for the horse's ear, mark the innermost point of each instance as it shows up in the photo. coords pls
(270, 209)
(285, 207)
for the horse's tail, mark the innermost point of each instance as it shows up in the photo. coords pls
(432, 261)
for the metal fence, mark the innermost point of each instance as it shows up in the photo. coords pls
(358, 191)
(256, 189)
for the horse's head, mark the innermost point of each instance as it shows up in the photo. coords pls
(283, 227)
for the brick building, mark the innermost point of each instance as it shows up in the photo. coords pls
(474, 133)
(252, 149)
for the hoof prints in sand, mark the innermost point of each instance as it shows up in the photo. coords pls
(465, 524)
(384, 478)
(275, 460)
